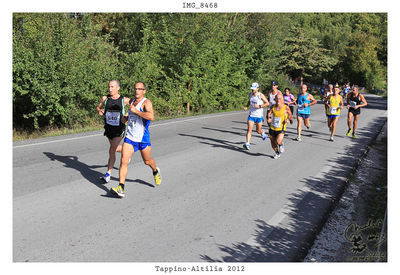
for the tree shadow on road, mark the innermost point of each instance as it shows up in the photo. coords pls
(88, 171)
(289, 238)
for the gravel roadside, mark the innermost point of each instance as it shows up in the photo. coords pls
(356, 231)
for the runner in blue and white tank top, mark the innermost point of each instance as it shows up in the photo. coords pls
(304, 101)
(138, 127)
(137, 138)
(257, 101)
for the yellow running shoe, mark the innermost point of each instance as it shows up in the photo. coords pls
(348, 132)
(118, 191)
(157, 177)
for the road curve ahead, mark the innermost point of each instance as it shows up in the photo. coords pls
(217, 202)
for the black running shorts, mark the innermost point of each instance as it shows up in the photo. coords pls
(355, 111)
(114, 132)
(275, 133)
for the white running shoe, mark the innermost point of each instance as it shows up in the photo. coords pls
(106, 178)
(281, 149)
(246, 146)
(277, 155)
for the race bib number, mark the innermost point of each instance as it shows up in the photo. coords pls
(276, 122)
(353, 104)
(113, 118)
(132, 121)
(300, 107)
(333, 110)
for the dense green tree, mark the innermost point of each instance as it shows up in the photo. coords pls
(190, 62)
(302, 55)
(58, 77)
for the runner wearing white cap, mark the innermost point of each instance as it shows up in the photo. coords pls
(257, 101)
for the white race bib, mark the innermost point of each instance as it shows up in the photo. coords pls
(113, 118)
(353, 104)
(333, 110)
(132, 121)
(276, 122)
(300, 107)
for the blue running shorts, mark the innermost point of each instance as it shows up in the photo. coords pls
(256, 119)
(137, 145)
(303, 115)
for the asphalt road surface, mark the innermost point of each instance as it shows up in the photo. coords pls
(217, 202)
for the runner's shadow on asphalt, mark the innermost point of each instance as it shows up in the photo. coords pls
(110, 195)
(144, 183)
(88, 172)
(224, 131)
(219, 143)
(240, 122)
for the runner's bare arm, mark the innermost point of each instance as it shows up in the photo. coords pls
(290, 115)
(99, 107)
(148, 112)
(248, 104)
(126, 100)
(364, 101)
(265, 100)
(326, 101)
(125, 117)
(269, 116)
(313, 100)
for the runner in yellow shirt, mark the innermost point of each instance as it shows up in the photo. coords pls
(277, 117)
(334, 104)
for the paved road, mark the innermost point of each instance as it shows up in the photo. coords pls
(217, 202)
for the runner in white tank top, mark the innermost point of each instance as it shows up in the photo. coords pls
(137, 138)
(257, 101)
(138, 127)
(272, 94)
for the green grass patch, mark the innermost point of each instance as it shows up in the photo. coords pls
(19, 135)
(94, 125)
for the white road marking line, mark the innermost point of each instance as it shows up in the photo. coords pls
(53, 141)
(151, 126)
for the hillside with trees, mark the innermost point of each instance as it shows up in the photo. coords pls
(190, 62)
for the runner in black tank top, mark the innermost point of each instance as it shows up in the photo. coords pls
(355, 101)
(114, 122)
(113, 112)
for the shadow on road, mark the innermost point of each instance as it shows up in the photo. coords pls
(89, 172)
(219, 143)
(306, 212)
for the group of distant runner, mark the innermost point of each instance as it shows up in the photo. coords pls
(280, 109)
(133, 126)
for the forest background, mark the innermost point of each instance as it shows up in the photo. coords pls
(191, 63)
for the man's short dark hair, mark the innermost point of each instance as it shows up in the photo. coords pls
(144, 85)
